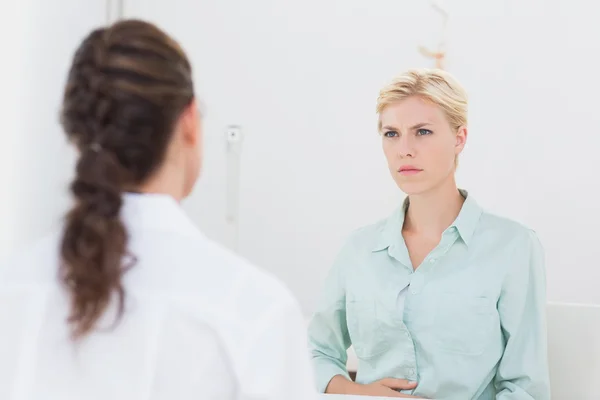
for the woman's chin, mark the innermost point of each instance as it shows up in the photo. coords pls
(414, 188)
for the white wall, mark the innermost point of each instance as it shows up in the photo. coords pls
(38, 39)
(301, 77)
(12, 20)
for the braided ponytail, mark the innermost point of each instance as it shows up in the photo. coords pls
(95, 239)
(126, 88)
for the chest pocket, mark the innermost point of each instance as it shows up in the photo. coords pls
(367, 333)
(464, 324)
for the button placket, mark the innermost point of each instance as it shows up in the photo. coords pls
(417, 283)
(448, 240)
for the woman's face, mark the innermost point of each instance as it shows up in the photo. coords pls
(419, 144)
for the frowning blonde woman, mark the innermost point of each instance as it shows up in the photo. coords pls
(441, 299)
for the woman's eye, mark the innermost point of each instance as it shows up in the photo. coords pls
(390, 134)
(422, 132)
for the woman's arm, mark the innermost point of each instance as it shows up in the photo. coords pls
(523, 370)
(328, 333)
(387, 387)
(329, 340)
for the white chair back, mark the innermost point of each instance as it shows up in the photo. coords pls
(574, 351)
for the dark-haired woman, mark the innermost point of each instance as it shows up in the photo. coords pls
(129, 300)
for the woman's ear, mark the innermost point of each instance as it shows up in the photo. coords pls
(189, 123)
(461, 139)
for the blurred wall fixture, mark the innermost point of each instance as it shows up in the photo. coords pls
(233, 142)
(114, 10)
(438, 55)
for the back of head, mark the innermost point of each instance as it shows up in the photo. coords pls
(434, 85)
(126, 89)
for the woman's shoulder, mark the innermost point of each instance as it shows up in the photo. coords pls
(367, 238)
(211, 268)
(369, 231)
(33, 262)
(503, 229)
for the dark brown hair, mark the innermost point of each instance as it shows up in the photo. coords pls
(127, 87)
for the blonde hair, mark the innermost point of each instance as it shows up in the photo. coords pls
(434, 85)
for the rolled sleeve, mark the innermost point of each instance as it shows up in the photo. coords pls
(328, 334)
(523, 370)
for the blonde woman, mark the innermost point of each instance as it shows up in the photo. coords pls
(442, 299)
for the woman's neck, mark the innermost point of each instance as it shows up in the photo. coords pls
(430, 214)
(167, 180)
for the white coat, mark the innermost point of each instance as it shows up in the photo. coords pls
(200, 323)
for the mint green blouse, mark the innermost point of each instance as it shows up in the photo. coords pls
(473, 321)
